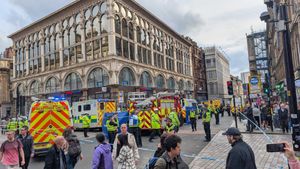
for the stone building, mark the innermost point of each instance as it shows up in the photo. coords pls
(98, 48)
(217, 74)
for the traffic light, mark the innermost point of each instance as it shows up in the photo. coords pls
(230, 87)
(266, 89)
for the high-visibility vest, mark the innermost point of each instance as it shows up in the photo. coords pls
(155, 123)
(206, 116)
(111, 128)
(12, 125)
(192, 114)
(21, 124)
(169, 128)
(174, 118)
(85, 122)
(26, 123)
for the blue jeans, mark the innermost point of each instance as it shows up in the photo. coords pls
(70, 162)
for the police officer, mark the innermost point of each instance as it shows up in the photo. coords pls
(193, 119)
(156, 125)
(169, 128)
(174, 118)
(85, 124)
(20, 124)
(134, 123)
(112, 124)
(206, 117)
(12, 125)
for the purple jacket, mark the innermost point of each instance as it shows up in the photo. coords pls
(104, 149)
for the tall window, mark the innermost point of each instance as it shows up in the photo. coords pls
(146, 80)
(117, 24)
(73, 82)
(98, 78)
(160, 82)
(126, 77)
(34, 88)
(52, 85)
(171, 83)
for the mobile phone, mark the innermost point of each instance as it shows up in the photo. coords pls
(275, 147)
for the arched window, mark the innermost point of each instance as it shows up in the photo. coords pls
(126, 77)
(180, 85)
(73, 82)
(131, 31)
(117, 24)
(160, 82)
(98, 78)
(72, 36)
(124, 28)
(143, 37)
(171, 83)
(88, 30)
(189, 86)
(138, 34)
(21, 90)
(34, 88)
(52, 85)
(96, 27)
(78, 34)
(104, 24)
(145, 80)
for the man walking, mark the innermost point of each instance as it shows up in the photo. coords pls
(85, 124)
(206, 117)
(241, 155)
(156, 125)
(27, 142)
(193, 120)
(134, 128)
(251, 120)
(10, 151)
(55, 157)
(283, 118)
(175, 120)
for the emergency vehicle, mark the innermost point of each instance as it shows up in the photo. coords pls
(187, 106)
(95, 110)
(48, 119)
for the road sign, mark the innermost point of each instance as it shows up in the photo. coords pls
(255, 84)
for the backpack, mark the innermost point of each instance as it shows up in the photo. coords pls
(152, 161)
(74, 147)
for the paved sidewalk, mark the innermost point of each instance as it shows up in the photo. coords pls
(214, 155)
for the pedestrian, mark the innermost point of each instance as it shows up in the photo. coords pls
(217, 115)
(228, 109)
(27, 142)
(112, 125)
(206, 117)
(55, 158)
(11, 151)
(269, 117)
(175, 119)
(169, 127)
(294, 163)
(193, 120)
(251, 120)
(171, 159)
(86, 124)
(102, 157)
(241, 155)
(276, 116)
(125, 157)
(283, 118)
(222, 108)
(74, 148)
(155, 124)
(12, 125)
(134, 127)
(161, 147)
(256, 115)
(264, 114)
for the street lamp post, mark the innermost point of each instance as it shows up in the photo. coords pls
(290, 78)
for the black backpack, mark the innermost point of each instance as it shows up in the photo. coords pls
(74, 147)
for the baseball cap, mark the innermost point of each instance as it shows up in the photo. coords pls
(232, 131)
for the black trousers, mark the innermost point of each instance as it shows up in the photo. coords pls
(27, 160)
(193, 123)
(207, 130)
(228, 111)
(155, 132)
(85, 131)
(217, 118)
(111, 138)
(284, 126)
(136, 131)
(257, 120)
(250, 125)
(222, 112)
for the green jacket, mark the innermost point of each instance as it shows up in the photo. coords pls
(174, 118)
(86, 121)
(155, 121)
(206, 116)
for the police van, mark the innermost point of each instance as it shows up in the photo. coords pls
(48, 119)
(95, 110)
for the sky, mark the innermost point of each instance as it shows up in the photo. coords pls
(221, 23)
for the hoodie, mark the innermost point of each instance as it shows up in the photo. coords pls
(102, 151)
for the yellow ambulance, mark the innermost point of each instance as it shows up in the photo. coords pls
(48, 119)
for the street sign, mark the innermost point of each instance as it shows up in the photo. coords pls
(254, 85)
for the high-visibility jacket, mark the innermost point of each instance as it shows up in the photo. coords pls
(12, 125)
(193, 114)
(26, 123)
(206, 116)
(85, 122)
(174, 118)
(20, 124)
(169, 128)
(155, 121)
(110, 127)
